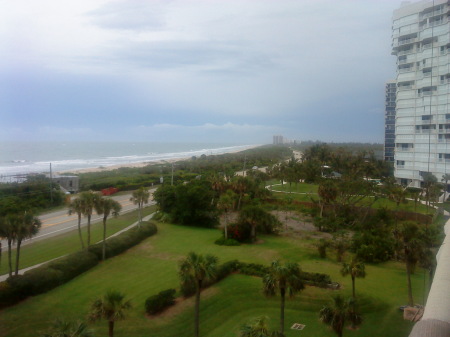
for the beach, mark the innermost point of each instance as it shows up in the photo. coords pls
(22, 158)
(140, 164)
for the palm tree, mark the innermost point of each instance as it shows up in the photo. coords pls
(140, 197)
(336, 314)
(106, 206)
(282, 278)
(258, 328)
(239, 186)
(26, 226)
(62, 328)
(413, 248)
(195, 269)
(88, 200)
(3, 225)
(354, 269)
(445, 179)
(226, 204)
(9, 232)
(253, 215)
(327, 192)
(76, 206)
(111, 307)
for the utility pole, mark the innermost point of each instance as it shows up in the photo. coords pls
(51, 185)
(245, 162)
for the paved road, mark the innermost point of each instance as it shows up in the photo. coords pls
(58, 222)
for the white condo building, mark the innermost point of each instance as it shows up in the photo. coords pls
(421, 43)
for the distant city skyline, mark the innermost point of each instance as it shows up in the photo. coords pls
(234, 71)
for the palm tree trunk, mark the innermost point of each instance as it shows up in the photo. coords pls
(197, 309)
(283, 293)
(111, 328)
(79, 231)
(140, 214)
(353, 287)
(104, 240)
(19, 242)
(89, 231)
(408, 274)
(253, 233)
(226, 226)
(9, 257)
(239, 201)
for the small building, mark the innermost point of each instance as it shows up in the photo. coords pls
(69, 184)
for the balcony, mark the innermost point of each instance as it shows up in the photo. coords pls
(407, 41)
(405, 52)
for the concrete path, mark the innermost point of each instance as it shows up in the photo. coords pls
(22, 271)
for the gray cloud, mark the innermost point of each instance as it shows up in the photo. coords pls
(130, 15)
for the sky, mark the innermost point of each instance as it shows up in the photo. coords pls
(235, 71)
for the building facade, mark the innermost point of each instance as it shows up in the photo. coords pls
(421, 43)
(389, 121)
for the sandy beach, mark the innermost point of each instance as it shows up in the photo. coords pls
(137, 165)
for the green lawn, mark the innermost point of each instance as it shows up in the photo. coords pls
(44, 250)
(306, 192)
(152, 266)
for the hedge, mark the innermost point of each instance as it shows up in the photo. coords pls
(253, 269)
(50, 275)
(120, 243)
(157, 303)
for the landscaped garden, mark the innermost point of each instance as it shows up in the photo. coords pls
(152, 266)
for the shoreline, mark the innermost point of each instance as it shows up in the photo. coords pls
(142, 164)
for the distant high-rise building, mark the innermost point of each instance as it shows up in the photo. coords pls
(421, 43)
(389, 121)
(278, 140)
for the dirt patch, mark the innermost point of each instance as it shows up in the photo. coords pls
(294, 223)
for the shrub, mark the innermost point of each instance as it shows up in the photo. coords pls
(226, 269)
(322, 246)
(73, 265)
(46, 277)
(253, 269)
(158, 303)
(120, 243)
(239, 232)
(227, 242)
(37, 281)
(188, 288)
(316, 279)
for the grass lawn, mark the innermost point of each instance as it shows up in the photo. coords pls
(152, 266)
(304, 192)
(44, 250)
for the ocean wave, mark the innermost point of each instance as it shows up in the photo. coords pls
(23, 167)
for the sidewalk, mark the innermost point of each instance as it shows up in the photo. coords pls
(22, 271)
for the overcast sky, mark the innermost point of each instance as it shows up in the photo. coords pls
(209, 70)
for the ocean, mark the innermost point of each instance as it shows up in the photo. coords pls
(35, 157)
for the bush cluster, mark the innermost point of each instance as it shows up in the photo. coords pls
(252, 269)
(120, 243)
(316, 279)
(46, 277)
(223, 270)
(227, 242)
(50, 275)
(158, 303)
